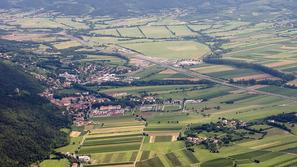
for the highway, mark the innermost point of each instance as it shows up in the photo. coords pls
(187, 72)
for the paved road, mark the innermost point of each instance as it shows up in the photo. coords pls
(213, 79)
(185, 71)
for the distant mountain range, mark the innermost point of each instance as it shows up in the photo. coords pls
(133, 7)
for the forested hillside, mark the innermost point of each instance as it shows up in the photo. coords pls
(29, 125)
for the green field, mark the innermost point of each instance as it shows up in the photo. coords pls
(56, 163)
(169, 50)
(106, 59)
(148, 138)
(156, 32)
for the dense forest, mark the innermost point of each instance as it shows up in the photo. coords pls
(29, 125)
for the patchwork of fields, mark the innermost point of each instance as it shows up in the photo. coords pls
(181, 101)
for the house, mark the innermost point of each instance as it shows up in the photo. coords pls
(106, 113)
(152, 107)
(74, 165)
(84, 158)
(196, 140)
(110, 107)
(149, 99)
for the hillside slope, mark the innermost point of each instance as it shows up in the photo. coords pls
(29, 125)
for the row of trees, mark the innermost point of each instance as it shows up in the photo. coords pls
(157, 82)
(241, 64)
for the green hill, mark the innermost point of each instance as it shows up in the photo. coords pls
(29, 126)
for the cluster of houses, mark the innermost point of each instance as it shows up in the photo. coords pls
(196, 140)
(232, 123)
(76, 160)
(77, 102)
(70, 78)
(81, 103)
(203, 140)
(103, 78)
(191, 62)
(107, 111)
(104, 73)
(5, 56)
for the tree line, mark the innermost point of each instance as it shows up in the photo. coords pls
(241, 64)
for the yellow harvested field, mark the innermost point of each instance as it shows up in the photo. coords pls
(75, 134)
(168, 71)
(174, 138)
(139, 62)
(212, 69)
(265, 145)
(163, 133)
(37, 23)
(92, 135)
(257, 77)
(236, 109)
(71, 23)
(67, 44)
(255, 87)
(288, 47)
(24, 37)
(106, 32)
(117, 130)
(182, 79)
(279, 64)
(125, 165)
(152, 139)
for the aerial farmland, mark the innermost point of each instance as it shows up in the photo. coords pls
(168, 89)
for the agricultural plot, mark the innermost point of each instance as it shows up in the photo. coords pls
(171, 50)
(131, 32)
(43, 23)
(107, 32)
(71, 23)
(250, 153)
(105, 59)
(125, 140)
(162, 76)
(167, 21)
(66, 45)
(173, 159)
(234, 73)
(170, 157)
(151, 162)
(280, 90)
(56, 163)
(137, 90)
(149, 71)
(131, 21)
(107, 40)
(32, 37)
(72, 146)
(163, 138)
(112, 145)
(212, 69)
(199, 27)
(181, 31)
(197, 94)
(156, 32)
